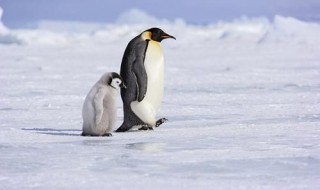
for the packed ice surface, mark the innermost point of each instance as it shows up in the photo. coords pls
(242, 99)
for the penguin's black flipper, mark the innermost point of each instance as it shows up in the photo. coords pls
(140, 74)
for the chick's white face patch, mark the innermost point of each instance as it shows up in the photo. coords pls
(116, 82)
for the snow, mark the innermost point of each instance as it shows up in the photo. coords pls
(242, 99)
(137, 16)
(2, 27)
(5, 36)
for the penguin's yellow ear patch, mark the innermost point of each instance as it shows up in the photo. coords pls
(146, 35)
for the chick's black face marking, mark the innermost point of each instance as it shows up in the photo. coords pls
(158, 35)
(116, 81)
(115, 75)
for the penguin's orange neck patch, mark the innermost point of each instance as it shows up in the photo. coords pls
(146, 35)
(155, 43)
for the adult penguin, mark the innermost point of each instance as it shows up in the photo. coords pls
(142, 70)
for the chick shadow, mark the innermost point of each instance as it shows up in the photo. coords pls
(54, 132)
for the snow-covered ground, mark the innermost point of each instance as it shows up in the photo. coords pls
(242, 99)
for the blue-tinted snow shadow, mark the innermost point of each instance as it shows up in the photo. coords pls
(147, 146)
(56, 132)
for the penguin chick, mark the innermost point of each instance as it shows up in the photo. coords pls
(99, 108)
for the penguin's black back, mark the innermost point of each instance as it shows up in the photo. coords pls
(133, 57)
(135, 50)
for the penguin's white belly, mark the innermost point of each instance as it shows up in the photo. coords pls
(155, 71)
(147, 109)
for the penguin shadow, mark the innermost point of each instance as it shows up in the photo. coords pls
(55, 132)
(148, 147)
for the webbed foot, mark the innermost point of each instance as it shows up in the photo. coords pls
(161, 121)
(145, 128)
(107, 135)
(83, 134)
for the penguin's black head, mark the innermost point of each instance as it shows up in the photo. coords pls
(116, 81)
(158, 35)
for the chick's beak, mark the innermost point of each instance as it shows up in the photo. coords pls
(123, 85)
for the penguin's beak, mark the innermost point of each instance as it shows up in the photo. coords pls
(165, 36)
(123, 86)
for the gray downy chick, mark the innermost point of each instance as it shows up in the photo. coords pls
(99, 109)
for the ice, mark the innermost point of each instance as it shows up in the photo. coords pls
(242, 99)
(3, 29)
(291, 30)
(139, 17)
(5, 36)
(136, 16)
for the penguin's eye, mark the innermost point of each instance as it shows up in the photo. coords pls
(118, 82)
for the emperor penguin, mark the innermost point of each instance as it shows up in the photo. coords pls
(142, 70)
(99, 108)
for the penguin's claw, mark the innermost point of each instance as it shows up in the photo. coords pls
(145, 128)
(161, 121)
(107, 135)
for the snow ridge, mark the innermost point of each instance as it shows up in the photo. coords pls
(6, 37)
(131, 22)
(247, 30)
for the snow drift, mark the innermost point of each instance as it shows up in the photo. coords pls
(5, 35)
(3, 29)
(139, 17)
(249, 30)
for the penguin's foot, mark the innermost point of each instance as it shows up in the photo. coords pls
(123, 128)
(83, 134)
(107, 135)
(161, 121)
(145, 128)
